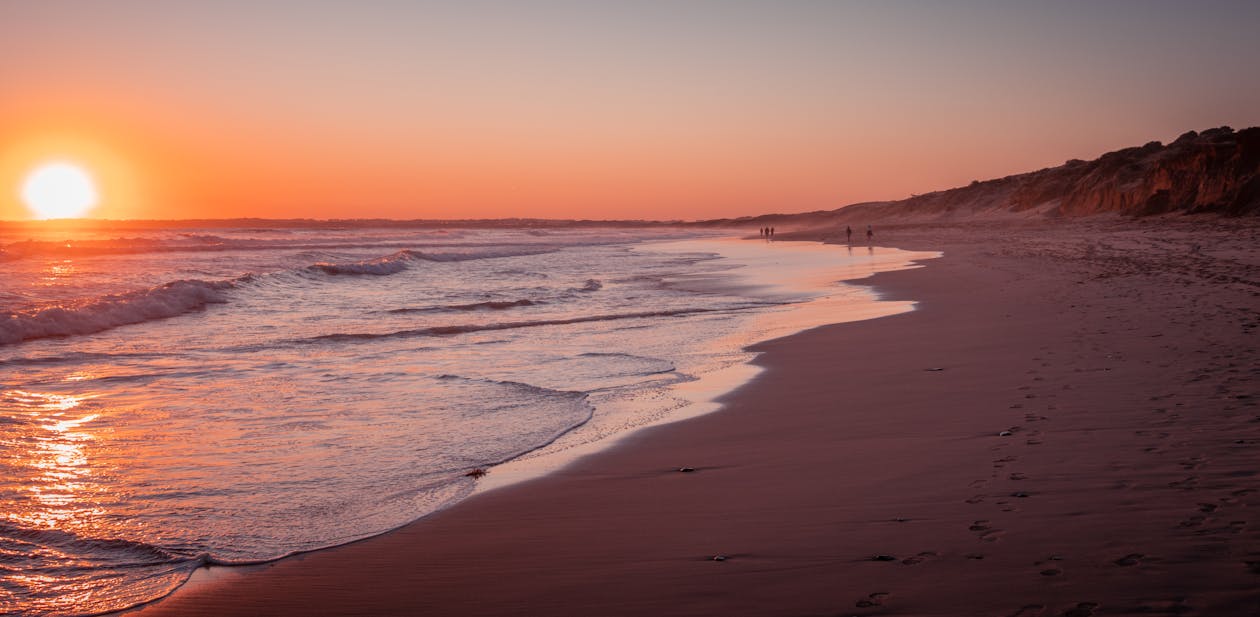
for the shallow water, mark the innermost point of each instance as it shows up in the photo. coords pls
(182, 397)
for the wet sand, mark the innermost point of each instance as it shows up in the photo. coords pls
(1069, 425)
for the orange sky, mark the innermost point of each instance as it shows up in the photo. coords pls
(593, 110)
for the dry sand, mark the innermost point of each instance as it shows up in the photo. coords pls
(1067, 426)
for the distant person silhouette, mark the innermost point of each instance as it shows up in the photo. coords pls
(870, 234)
(848, 234)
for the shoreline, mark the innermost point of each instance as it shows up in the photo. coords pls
(792, 267)
(799, 485)
(702, 394)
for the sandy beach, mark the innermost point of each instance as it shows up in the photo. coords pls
(1068, 425)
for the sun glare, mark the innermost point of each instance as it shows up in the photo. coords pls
(59, 190)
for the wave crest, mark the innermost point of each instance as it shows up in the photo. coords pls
(94, 315)
(379, 266)
(110, 311)
(401, 260)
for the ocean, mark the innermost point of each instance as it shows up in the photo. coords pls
(172, 398)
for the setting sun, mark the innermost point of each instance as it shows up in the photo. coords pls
(59, 190)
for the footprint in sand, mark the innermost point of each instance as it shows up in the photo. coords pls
(1132, 559)
(1001, 462)
(1050, 566)
(992, 535)
(920, 558)
(1082, 609)
(1192, 463)
(874, 599)
(1193, 521)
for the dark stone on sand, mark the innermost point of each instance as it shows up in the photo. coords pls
(1019, 494)
(719, 558)
(476, 473)
(686, 469)
(883, 558)
(1051, 572)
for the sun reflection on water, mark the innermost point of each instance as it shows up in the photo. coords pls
(58, 271)
(52, 449)
(76, 549)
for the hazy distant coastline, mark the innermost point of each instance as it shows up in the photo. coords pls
(1216, 171)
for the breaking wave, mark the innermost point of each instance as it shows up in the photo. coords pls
(92, 315)
(113, 310)
(380, 266)
(401, 260)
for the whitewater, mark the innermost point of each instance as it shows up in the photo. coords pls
(171, 398)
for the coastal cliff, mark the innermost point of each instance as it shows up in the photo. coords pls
(1215, 171)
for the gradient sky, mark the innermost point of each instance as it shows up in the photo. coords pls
(650, 109)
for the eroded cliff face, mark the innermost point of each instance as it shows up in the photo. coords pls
(1215, 171)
